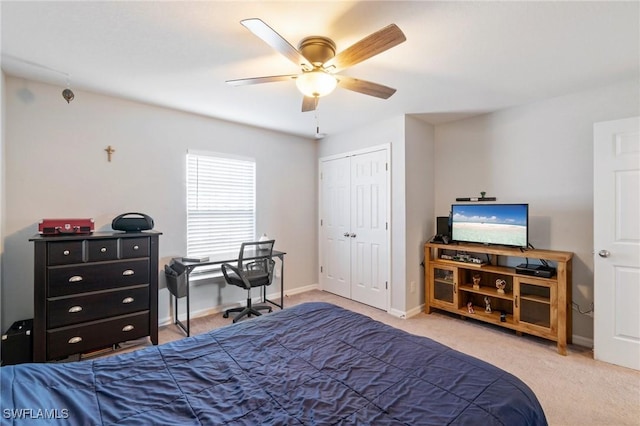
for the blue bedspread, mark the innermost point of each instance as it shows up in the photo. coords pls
(311, 364)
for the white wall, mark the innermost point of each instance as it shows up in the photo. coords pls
(56, 166)
(420, 218)
(541, 154)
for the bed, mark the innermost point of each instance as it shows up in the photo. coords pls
(310, 364)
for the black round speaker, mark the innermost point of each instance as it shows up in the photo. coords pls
(132, 222)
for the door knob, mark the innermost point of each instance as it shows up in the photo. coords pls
(604, 253)
(346, 234)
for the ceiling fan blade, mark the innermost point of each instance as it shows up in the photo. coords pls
(276, 41)
(309, 103)
(365, 87)
(258, 80)
(369, 46)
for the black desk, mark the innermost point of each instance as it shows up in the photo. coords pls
(231, 258)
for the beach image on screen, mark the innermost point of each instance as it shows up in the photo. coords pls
(490, 224)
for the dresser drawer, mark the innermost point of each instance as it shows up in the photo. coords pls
(65, 341)
(69, 280)
(92, 306)
(64, 252)
(134, 247)
(100, 250)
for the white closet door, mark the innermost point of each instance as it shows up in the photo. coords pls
(335, 240)
(354, 253)
(369, 262)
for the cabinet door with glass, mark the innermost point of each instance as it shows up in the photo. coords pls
(536, 308)
(444, 286)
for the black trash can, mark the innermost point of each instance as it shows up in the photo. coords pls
(17, 343)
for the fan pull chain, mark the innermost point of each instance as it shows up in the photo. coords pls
(317, 116)
(317, 120)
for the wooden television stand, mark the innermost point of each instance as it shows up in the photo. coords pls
(529, 304)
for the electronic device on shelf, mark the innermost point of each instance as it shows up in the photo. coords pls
(530, 269)
(443, 231)
(463, 257)
(499, 224)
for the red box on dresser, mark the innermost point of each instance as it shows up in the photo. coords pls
(65, 226)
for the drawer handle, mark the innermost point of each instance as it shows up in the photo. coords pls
(128, 272)
(127, 300)
(127, 328)
(76, 339)
(75, 279)
(103, 250)
(66, 252)
(74, 309)
(136, 247)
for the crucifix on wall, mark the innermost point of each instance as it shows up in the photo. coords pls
(109, 151)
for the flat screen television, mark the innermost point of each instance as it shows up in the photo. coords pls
(500, 224)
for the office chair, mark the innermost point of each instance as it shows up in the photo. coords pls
(258, 272)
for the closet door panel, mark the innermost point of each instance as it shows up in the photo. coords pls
(335, 229)
(369, 228)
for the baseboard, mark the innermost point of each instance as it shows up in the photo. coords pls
(406, 314)
(582, 341)
(415, 311)
(296, 290)
(275, 296)
(198, 313)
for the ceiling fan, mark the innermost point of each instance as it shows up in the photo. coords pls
(319, 64)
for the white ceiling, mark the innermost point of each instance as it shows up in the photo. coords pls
(460, 58)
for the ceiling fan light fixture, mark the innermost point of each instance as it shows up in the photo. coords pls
(316, 83)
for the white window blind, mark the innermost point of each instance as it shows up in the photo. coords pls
(220, 203)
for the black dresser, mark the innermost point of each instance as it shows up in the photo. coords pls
(93, 291)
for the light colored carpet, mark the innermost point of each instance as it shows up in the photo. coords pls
(573, 389)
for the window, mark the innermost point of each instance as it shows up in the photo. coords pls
(220, 203)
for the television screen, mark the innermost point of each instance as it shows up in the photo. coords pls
(502, 224)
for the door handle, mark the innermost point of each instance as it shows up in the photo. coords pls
(604, 253)
(352, 235)
(346, 234)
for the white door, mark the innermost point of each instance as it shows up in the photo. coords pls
(369, 229)
(617, 242)
(354, 257)
(335, 241)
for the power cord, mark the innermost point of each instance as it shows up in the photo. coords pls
(542, 261)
